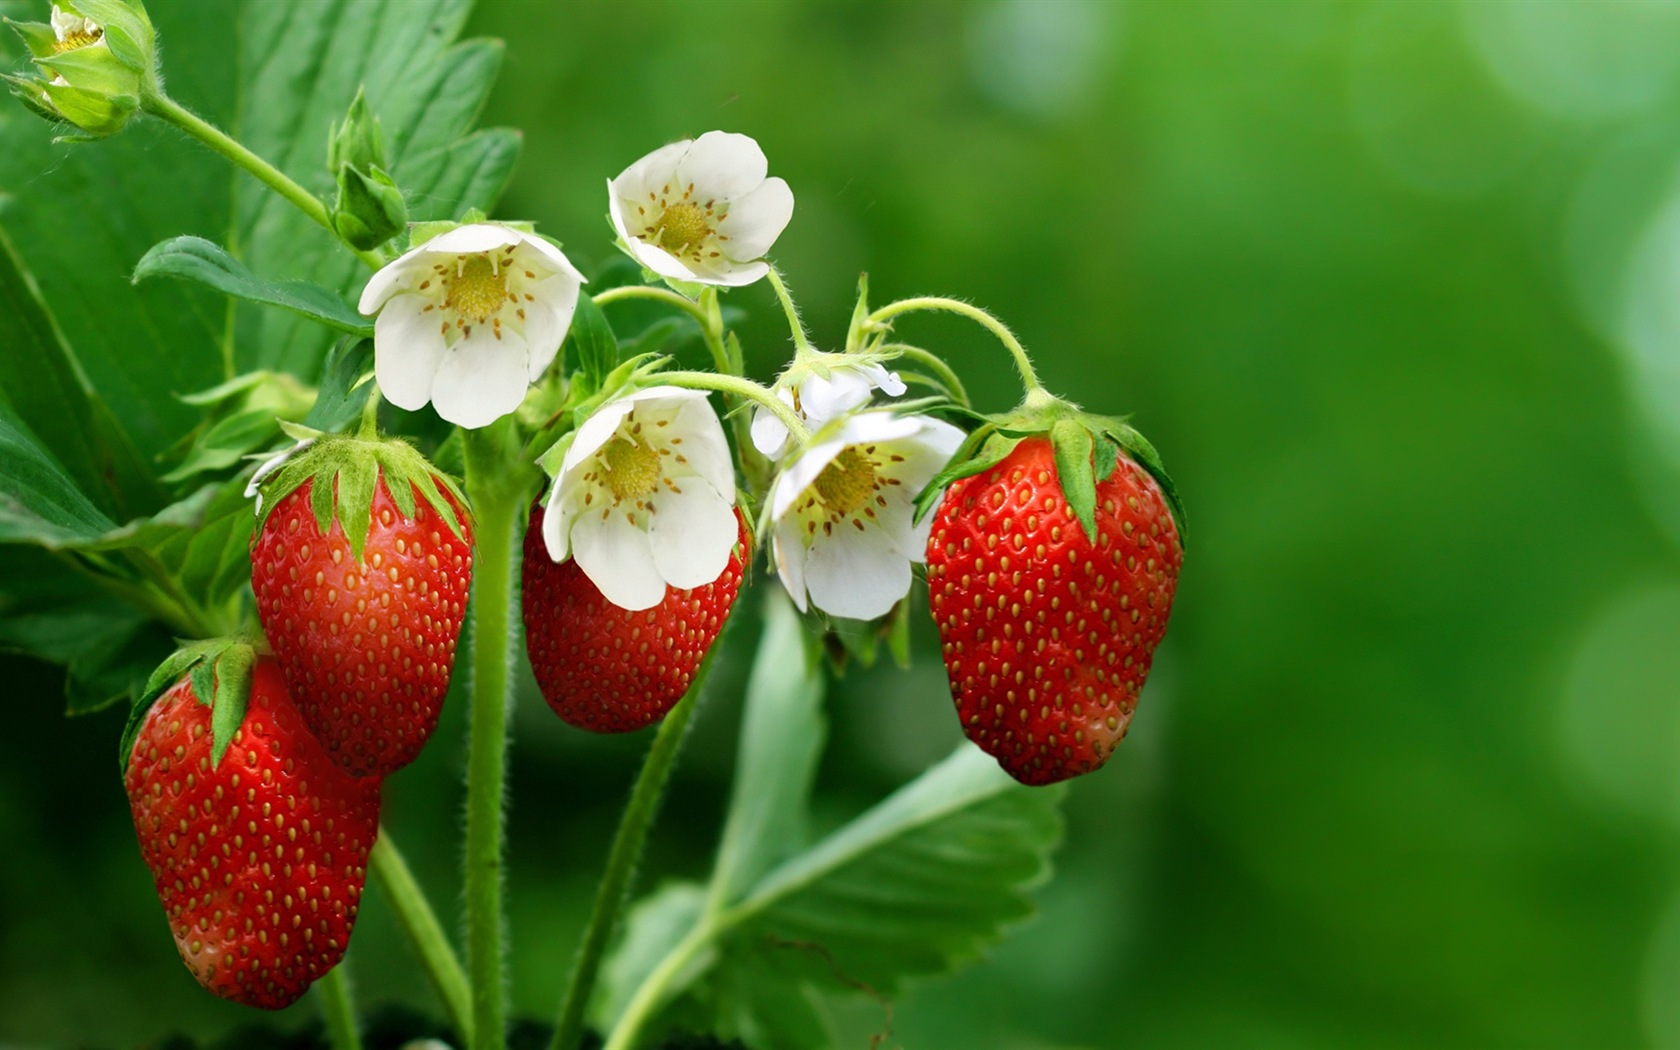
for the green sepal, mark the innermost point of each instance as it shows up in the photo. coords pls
(196, 659)
(1139, 449)
(855, 335)
(369, 208)
(982, 450)
(232, 696)
(1072, 444)
(358, 141)
(551, 460)
(38, 37)
(344, 473)
(421, 232)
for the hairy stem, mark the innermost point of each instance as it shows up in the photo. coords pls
(1023, 363)
(935, 364)
(627, 845)
(745, 388)
(161, 105)
(801, 342)
(333, 990)
(424, 932)
(658, 295)
(496, 488)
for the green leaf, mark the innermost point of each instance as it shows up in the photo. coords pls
(50, 393)
(922, 882)
(982, 450)
(39, 503)
(651, 927)
(226, 443)
(114, 668)
(342, 392)
(307, 63)
(782, 734)
(196, 259)
(592, 339)
(78, 218)
(1072, 444)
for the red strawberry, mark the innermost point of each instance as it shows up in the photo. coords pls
(1048, 636)
(259, 858)
(604, 668)
(365, 631)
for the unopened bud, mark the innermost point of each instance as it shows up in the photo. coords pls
(357, 140)
(369, 209)
(98, 58)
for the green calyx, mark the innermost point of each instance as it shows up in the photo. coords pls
(344, 473)
(98, 63)
(1086, 448)
(221, 680)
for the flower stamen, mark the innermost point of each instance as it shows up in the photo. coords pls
(682, 227)
(476, 290)
(633, 470)
(847, 483)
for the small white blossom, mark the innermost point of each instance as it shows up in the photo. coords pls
(701, 210)
(469, 319)
(843, 538)
(645, 497)
(821, 399)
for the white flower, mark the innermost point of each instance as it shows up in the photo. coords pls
(819, 399)
(701, 209)
(469, 320)
(842, 510)
(645, 497)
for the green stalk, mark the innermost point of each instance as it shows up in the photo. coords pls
(496, 488)
(627, 846)
(1023, 363)
(424, 931)
(744, 388)
(334, 993)
(652, 993)
(161, 105)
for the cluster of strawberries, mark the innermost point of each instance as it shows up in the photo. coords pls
(254, 780)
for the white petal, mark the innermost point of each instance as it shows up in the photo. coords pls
(652, 171)
(391, 278)
(789, 554)
(873, 428)
(756, 220)
(547, 319)
(473, 238)
(826, 399)
(883, 380)
(615, 209)
(856, 574)
(618, 558)
(553, 258)
(482, 379)
(770, 434)
(557, 525)
(797, 476)
(704, 446)
(595, 432)
(692, 533)
(726, 274)
(660, 261)
(407, 350)
(722, 166)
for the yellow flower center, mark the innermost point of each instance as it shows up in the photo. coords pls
(683, 227)
(477, 289)
(632, 468)
(847, 483)
(85, 34)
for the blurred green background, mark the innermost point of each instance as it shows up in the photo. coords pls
(1395, 288)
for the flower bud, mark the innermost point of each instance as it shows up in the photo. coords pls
(358, 140)
(98, 57)
(369, 209)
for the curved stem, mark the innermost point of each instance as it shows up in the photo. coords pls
(935, 364)
(496, 489)
(336, 1009)
(424, 931)
(658, 295)
(745, 388)
(621, 865)
(1023, 364)
(163, 106)
(801, 342)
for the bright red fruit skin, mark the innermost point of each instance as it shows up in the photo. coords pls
(1047, 637)
(606, 669)
(259, 861)
(367, 649)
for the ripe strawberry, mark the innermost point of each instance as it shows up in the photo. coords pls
(1047, 635)
(260, 857)
(363, 603)
(604, 668)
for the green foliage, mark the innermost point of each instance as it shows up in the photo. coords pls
(196, 259)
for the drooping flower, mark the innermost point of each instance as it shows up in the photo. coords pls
(469, 319)
(843, 538)
(820, 398)
(701, 210)
(645, 497)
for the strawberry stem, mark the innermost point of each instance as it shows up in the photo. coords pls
(336, 1009)
(627, 846)
(498, 491)
(1023, 363)
(424, 931)
(744, 388)
(801, 341)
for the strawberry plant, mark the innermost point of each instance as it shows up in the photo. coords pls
(350, 406)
